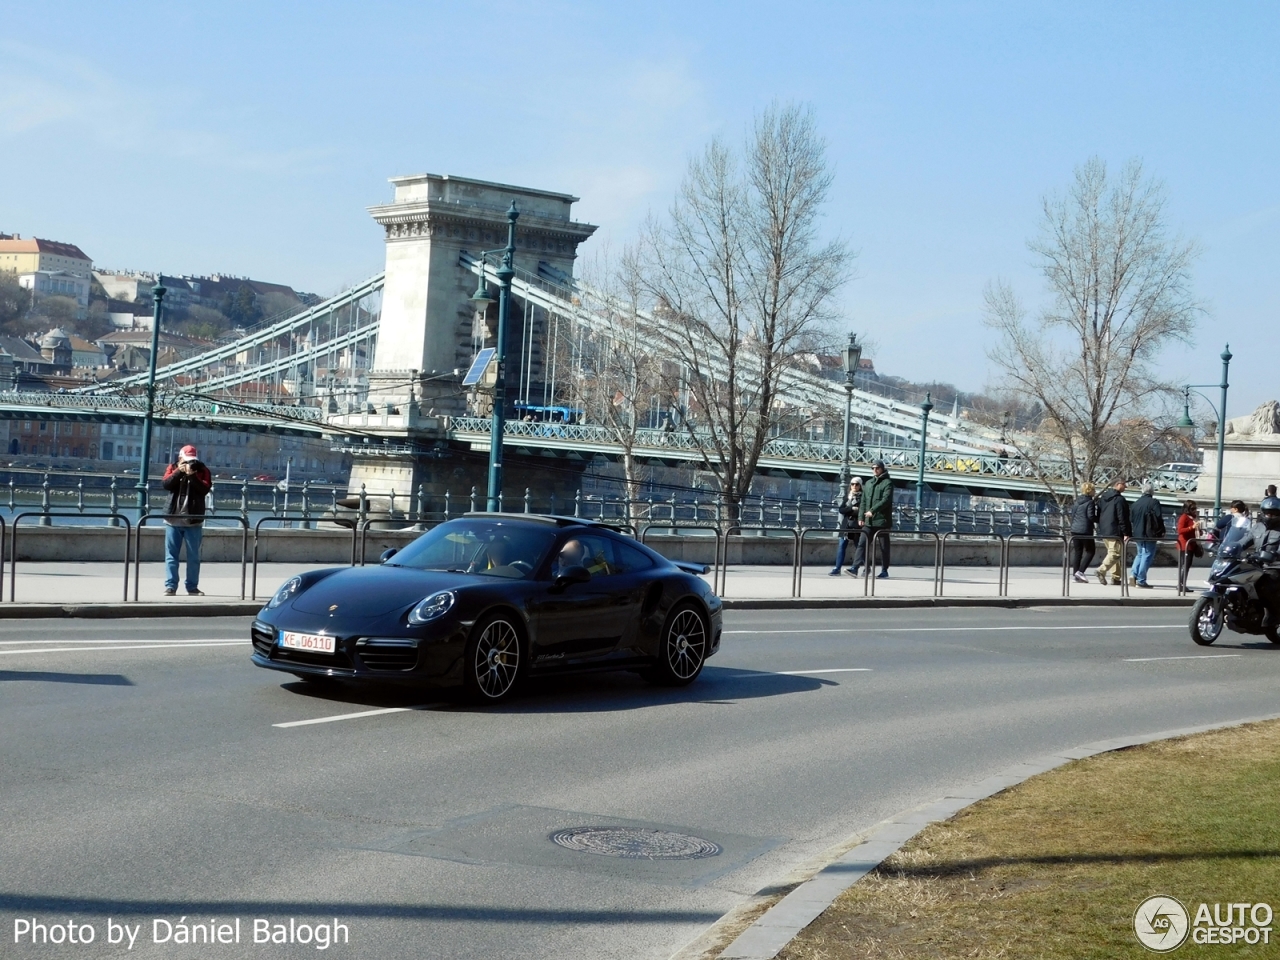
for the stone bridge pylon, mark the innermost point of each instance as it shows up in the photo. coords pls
(429, 327)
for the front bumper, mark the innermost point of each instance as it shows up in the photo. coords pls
(360, 655)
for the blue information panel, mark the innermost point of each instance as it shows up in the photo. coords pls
(478, 366)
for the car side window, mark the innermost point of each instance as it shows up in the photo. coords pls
(598, 556)
(627, 559)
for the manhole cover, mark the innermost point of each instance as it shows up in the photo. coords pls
(632, 844)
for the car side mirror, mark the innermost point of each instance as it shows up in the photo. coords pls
(1268, 556)
(573, 574)
(387, 554)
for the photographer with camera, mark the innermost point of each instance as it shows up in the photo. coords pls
(188, 482)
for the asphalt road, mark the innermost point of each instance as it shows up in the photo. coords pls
(144, 773)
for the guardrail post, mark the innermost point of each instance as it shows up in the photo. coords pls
(446, 504)
(80, 494)
(502, 508)
(391, 504)
(364, 503)
(11, 490)
(306, 505)
(44, 503)
(275, 506)
(422, 513)
(473, 499)
(577, 503)
(115, 505)
(526, 499)
(719, 508)
(244, 499)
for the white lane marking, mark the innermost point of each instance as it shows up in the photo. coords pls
(1128, 626)
(137, 646)
(801, 673)
(343, 716)
(1198, 656)
(159, 640)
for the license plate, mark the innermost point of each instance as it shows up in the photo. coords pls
(311, 642)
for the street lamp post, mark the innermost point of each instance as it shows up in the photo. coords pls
(852, 354)
(144, 468)
(504, 274)
(1187, 427)
(924, 436)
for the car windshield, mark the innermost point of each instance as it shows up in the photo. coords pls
(488, 548)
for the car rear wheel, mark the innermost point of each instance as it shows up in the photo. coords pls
(494, 659)
(683, 650)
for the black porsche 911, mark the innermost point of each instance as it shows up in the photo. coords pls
(488, 599)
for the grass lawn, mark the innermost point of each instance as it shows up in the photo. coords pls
(1056, 866)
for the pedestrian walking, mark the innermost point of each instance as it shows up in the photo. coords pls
(877, 502)
(188, 482)
(1188, 545)
(1084, 517)
(850, 527)
(1147, 518)
(1114, 528)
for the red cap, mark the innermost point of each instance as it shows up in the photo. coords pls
(188, 453)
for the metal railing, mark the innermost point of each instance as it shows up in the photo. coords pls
(44, 515)
(137, 552)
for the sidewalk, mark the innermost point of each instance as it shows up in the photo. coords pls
(81, 583)
(103, 583)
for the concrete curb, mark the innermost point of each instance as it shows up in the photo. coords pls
(844, 603)
(782, 922)
(108, 611)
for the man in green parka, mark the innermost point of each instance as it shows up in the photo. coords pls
(877, 500)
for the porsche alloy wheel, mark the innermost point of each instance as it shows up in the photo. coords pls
(493, 659)
(684, 647)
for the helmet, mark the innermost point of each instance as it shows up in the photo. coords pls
(1270, 510)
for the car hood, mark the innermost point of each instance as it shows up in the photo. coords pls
(373, 591)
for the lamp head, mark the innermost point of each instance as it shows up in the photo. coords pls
(481, 297)
(852, 355)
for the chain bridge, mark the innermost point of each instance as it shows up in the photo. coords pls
(376, 369)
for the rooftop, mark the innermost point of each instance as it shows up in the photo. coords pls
(36, 245)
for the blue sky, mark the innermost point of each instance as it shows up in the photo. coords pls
(249, 138)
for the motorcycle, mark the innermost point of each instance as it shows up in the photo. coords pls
(1232, 598)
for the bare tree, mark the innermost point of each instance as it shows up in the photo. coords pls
(744, 285)
(620, 370)
(1120, 292)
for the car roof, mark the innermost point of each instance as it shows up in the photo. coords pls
(549, 519)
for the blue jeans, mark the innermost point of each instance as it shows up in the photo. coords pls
(1142, 562)
(843, 548)
(173, 540)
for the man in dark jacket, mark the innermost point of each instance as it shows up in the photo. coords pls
(877, 502)
(188, 482)
(1113, 527)
(1147, 519)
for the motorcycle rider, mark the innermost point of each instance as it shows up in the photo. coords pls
(1263, 537)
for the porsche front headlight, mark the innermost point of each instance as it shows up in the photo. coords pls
(432, 608)
(291, 588)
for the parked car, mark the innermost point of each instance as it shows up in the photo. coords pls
(487, 600)
(266, 478)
